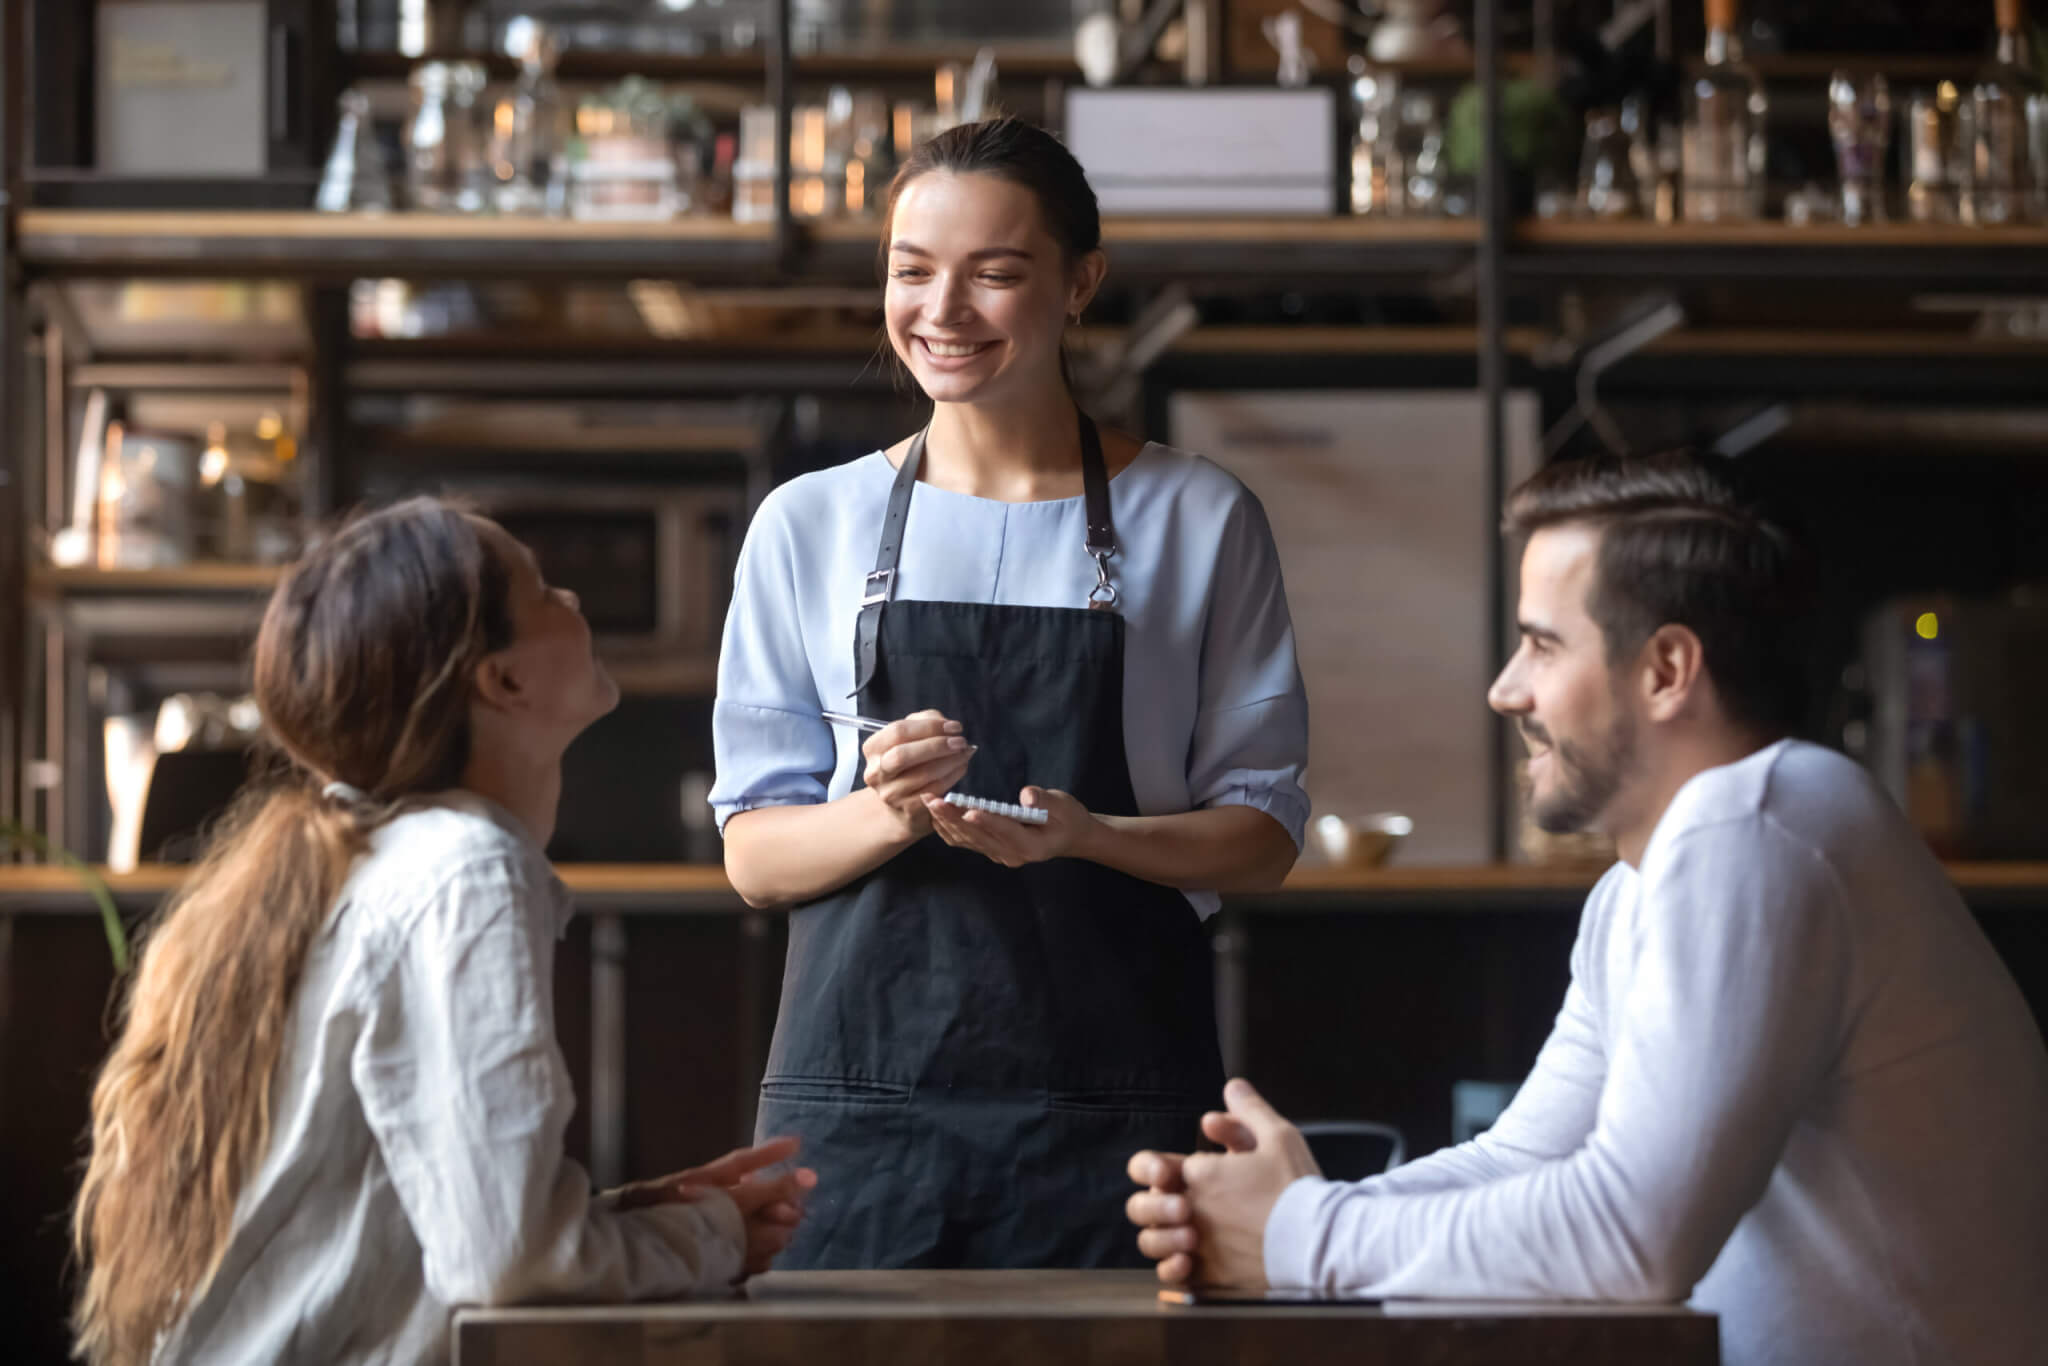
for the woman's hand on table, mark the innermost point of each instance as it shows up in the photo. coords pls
(770, 1206)
(1202, 1217)
(1010, 842)
(920, 756)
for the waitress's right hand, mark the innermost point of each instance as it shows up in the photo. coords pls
(922, 753)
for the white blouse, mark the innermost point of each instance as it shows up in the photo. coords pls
(1214, 712)
(415, 1158)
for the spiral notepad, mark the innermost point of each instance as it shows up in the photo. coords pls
(1030, 815)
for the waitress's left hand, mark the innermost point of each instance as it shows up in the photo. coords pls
(1013, 843)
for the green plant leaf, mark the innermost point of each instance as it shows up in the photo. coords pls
(89, 878)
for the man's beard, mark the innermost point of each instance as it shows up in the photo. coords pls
(1583, 782)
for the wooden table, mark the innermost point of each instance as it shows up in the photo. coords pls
(1066, 1318)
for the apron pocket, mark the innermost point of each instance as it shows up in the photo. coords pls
(833, 1091)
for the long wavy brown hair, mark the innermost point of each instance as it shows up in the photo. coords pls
(363, 667)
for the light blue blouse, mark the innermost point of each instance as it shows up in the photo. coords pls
(1214, 712)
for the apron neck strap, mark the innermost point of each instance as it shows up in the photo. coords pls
(1101, 529)
(881, 580)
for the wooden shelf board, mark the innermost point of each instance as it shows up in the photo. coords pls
(1898, 341)
(263, 224)
(1219, 339)
(192, 578)
(1483, 878)
(1154, 231)
(1562, 232)
(311, 245)
(684, 879)
(907, 61)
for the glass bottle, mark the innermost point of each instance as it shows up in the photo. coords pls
(1860, 125)
(2006, 184)
(444, 164)
(1419, 139)
(529, 160)
(1722, 145)
(1938, 138)
(354, 177)
(1608, 188)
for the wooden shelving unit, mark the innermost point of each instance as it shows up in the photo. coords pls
(788, 258)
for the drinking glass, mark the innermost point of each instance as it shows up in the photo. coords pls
(1860, 122)
(1608, 187)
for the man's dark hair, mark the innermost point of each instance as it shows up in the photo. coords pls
(1680, 544)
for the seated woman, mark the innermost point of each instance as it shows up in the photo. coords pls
(336, 1106)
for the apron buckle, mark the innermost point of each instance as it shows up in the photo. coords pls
(1103, 595)
(873, 594)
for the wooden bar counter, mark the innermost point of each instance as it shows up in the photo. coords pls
(1068, 1318)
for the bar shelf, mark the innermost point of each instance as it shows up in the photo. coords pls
(658, 885)
(1896, 253)
(47, 581)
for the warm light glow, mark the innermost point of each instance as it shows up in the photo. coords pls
(213, 462)
(807, 151)
(268, 426)
(1927, 628)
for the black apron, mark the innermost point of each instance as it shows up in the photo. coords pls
(971, 1053)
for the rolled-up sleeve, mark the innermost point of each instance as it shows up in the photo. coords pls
(770, 745)
(1250, 743)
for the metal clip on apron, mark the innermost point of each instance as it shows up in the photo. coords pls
(971, 1053)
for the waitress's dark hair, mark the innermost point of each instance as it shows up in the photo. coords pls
(1023, 154)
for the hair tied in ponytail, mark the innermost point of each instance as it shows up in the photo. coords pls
(345, 793)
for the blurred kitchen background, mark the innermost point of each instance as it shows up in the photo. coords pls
(608, 269)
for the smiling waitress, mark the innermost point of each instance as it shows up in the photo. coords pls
(983, 1018)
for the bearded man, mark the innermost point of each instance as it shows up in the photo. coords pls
(1790, 1082)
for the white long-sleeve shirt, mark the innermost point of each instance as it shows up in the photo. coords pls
(415, 1158)
(1790, 1079)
